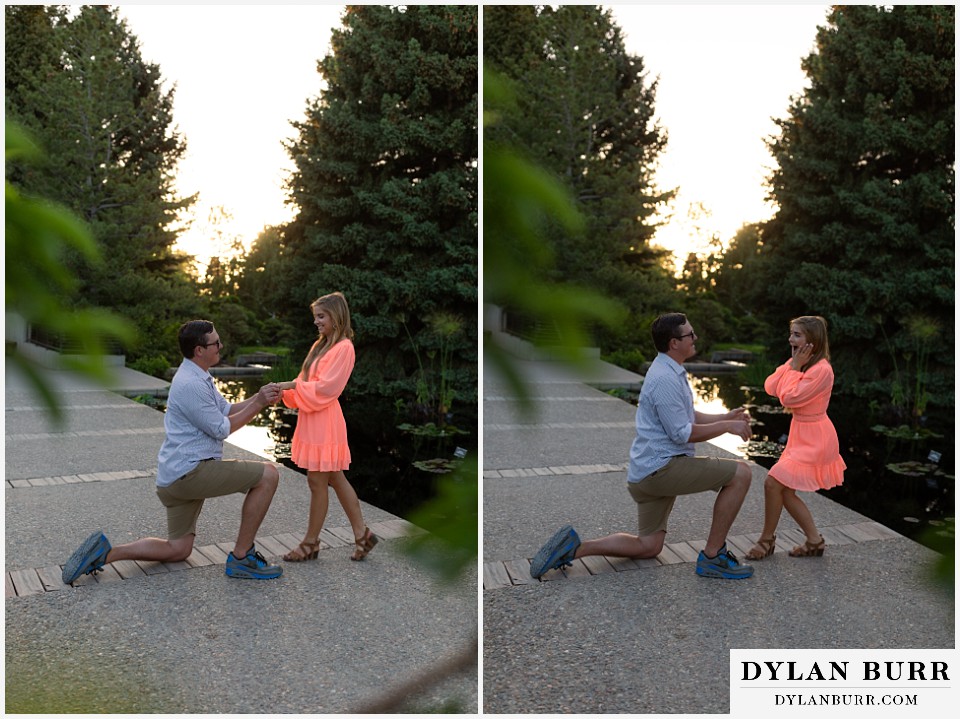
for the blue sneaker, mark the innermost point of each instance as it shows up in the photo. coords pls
(88, 558)
(253, 566)
(559, 551)
(725, 565)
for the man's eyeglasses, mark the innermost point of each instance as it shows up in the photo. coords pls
(218, 343)
(689, 334)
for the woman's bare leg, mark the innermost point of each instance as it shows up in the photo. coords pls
(348, 499)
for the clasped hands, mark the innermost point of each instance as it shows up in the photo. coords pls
(742, 419)
(270, 393)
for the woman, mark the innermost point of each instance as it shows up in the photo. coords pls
(811, 459)
(320, 439)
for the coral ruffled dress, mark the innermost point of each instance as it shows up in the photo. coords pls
(811, 459)
(320, 439)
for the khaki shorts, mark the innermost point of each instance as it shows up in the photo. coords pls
(211, 478)
(656, 493)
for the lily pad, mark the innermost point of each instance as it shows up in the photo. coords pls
(431, 430)
(906, 432)
(913, 468)
(437, 465)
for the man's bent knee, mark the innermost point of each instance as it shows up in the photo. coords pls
(743, 473)
(181, 547)
(270, 476)
(653, 543)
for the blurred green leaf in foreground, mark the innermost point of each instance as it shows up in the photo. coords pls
(37, 234)
(520, 199)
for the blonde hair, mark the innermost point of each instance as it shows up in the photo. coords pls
(814, 328)
(335, 305)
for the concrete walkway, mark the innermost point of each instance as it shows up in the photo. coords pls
(650, 636)
(329, 636)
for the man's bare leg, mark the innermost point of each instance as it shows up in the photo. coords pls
(726, 507)
(255, 506)
(624, 545)
(153, 549)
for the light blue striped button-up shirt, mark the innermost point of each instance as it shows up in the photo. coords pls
(196, 423)
(665, 418)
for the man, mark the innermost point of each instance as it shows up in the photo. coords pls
(191, 468)
(663, 466)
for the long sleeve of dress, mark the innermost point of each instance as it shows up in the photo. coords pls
(795, 388)
(811, 460)
(326, 380)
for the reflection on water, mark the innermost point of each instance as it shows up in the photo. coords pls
(253, 439)
(707, 399)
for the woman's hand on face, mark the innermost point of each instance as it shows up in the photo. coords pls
(801, 356)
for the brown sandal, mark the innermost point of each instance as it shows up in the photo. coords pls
(365, 544)
(762, 549)
(305, 551)
(809, 549)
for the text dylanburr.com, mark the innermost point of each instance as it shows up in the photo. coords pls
(857, 682)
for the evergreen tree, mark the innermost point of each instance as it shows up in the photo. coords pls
(864, 233)
(263, 287)
(386, 191)
(585, 113)
(80, 86)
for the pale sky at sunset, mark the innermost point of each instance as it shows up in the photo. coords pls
(724, 71)
(243, 72)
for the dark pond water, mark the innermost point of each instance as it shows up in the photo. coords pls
(892, 481)
(384, 459)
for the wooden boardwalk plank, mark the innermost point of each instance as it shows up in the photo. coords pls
(790, 538)
(402, 527)
(289, 541)
(835, 537)
(412, 529)
(333, 540)
(519, 571)
(623, 564)
(579, 568)
(684, 551)
(668, 556)
(213, 553)
(51, 578)
(128, 569)
(385, 530)
(344, 534)
(8, 589)
(272, 547)
(108, 574)
(597, 565)
(739, 543)
(26, 582)
(176, 566)
(84, 580)
(855, 533)
(198, 559)
(150, 567)
(878, 530)
(552, 575)
(646, 563)
(699, 544)
(495, 575)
